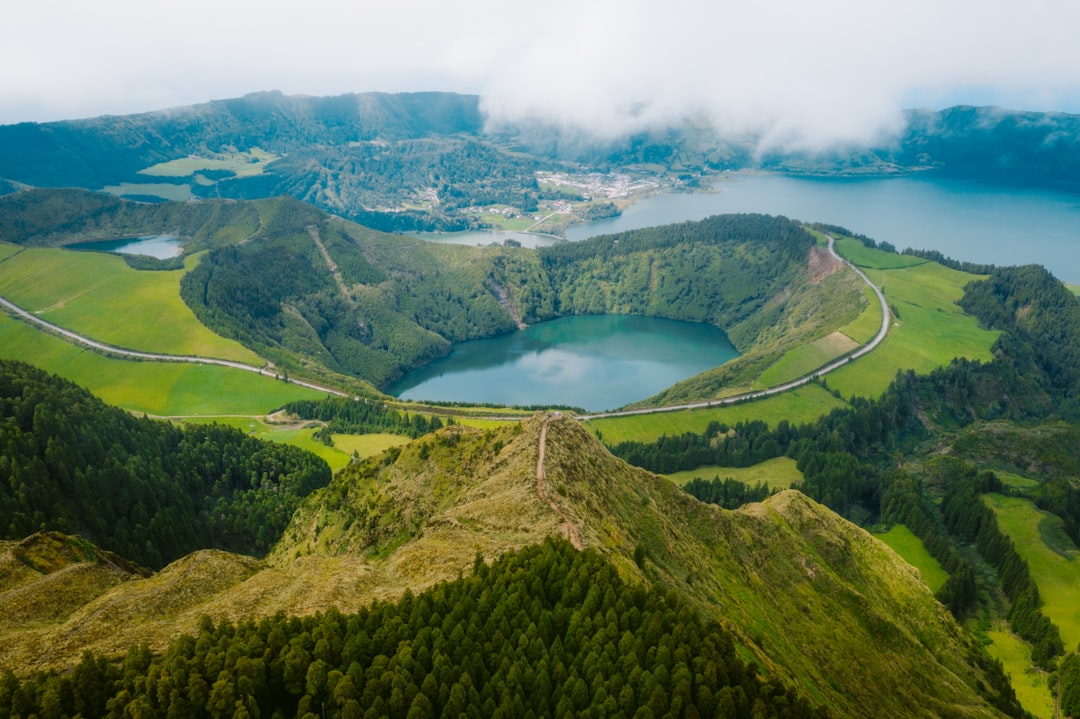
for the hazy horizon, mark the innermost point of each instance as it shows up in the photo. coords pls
(803, 76)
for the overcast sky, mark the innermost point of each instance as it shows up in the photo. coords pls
(807, 73)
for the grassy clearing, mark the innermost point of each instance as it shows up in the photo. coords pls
(368, 445)
(1029, 682)
(911, 548)
(164, 190)
(803, 360)
(778, 473)
(1015, 480)
(296, 435)
(865, 327)
(866, 257)
(160, 388)
(930, 329)
(96, 294)
(482, 423)
(244, 164)
(1051, 557)
(804, 404)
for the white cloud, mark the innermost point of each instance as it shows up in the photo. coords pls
(807, 73)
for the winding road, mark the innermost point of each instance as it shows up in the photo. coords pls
(268, 371)
(108, 349)
(758, 394)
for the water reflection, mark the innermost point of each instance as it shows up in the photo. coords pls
(597, 362)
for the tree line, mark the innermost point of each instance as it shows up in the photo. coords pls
(344, 415)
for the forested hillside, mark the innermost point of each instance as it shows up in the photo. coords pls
(860, 633)
(546, 632)
(150, 491)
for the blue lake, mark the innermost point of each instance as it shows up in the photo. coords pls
(597, 362)
(963, 220)
(162, 247)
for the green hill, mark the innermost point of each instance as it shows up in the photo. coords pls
(327, 298)
(819, 603)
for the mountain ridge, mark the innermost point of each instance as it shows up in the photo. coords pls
(778, 574)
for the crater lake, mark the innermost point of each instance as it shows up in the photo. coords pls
(593, 362)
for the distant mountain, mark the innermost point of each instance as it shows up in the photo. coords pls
(426, 161)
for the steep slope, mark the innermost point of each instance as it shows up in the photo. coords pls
(817, 601)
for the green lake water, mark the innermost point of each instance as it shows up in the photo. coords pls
(597, 362)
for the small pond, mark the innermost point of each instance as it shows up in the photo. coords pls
(162, 247)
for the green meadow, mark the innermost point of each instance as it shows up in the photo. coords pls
(777, 473)
(1051, 556)
(158, 388)
(368, 445)
(164, 190)
(244, 164)
(929, 328)
(804, 404)
(807, 358)
(902, 541)
(1030, 683)
(98, 295)
(303, 436)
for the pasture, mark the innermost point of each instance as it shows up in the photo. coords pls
(1051, 556)
(902, 541)
(1029, 682)
(804, 404)
(97, 295)
(244, 164)
(929, 328)
(164, 190)
(777, 473)
(157, 388)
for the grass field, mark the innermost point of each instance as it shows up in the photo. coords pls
(804, 404)
(1030, 683)
(867, 257)
(1017, 481)
(244, 164)
(164, 190)
(929, 330)
(1051, 556)
(865, 327)
(302, 436)
(911, 548)
(96, 294)
(368, 445)
(160, 388)
(778, 473)
(805, 359)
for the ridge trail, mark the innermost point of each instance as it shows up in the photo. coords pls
(568, 527)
